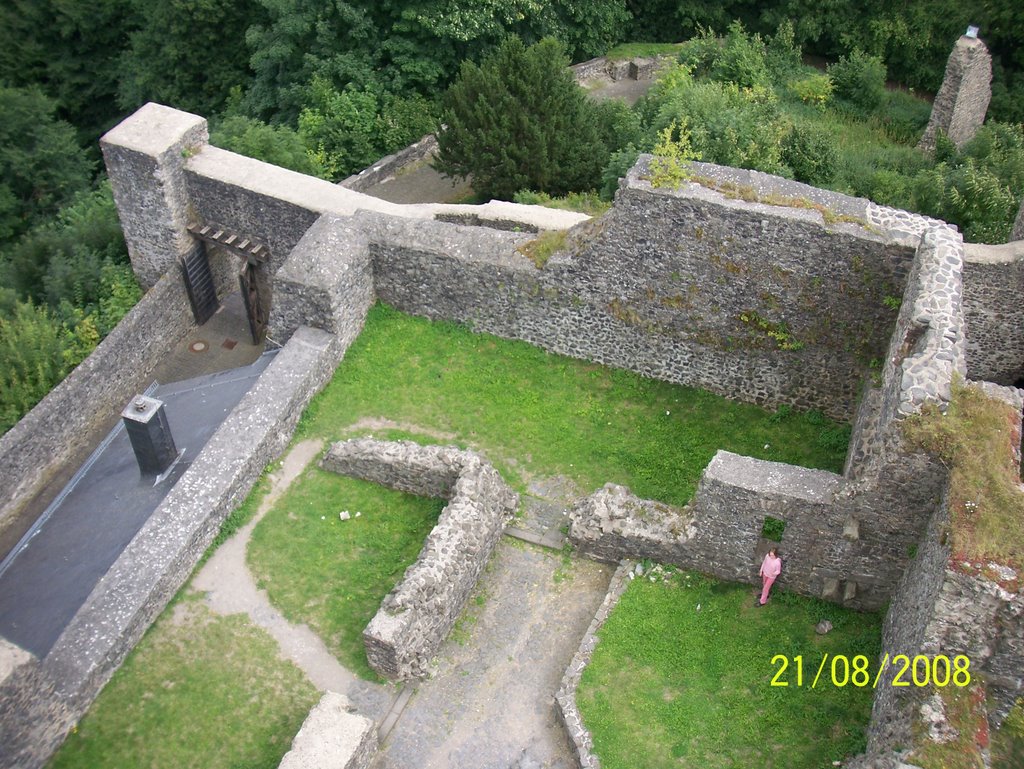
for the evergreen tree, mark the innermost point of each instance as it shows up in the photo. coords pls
(519, 121)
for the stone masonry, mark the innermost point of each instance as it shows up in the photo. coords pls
(962, 101)
(333, 736)
(417, 615)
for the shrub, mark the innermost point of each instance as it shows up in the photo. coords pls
(672, 153)
(859, 79)
(782, 55)
(904, 117)
(279, 145)
(519, 121)
(814, 89)
(743, 59)
(729, 125)
(618, 166)
(811, 154)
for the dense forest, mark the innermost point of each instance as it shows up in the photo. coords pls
(327, 87)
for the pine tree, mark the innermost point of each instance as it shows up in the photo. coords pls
(519, 121)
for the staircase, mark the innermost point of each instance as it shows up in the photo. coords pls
(202, 294)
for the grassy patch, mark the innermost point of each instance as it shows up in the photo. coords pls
(1008, 740)
(680, 678)
(973, 438)
(333, 574)
(965, 713)
(198, 691)
(540, 249)
(534, 413)
(642, 50)
(588, 203)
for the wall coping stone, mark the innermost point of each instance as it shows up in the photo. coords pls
(333, 736)
(774, 478)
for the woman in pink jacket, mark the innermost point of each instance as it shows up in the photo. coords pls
(770, 569)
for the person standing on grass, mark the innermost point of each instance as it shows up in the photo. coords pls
(771, 567)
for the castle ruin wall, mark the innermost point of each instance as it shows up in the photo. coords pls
(994, 307)
(417, 615)
(962, 101)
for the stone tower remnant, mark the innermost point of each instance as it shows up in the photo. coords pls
(962, 101)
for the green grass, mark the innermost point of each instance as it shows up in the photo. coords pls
(333, 574)
(198, 691)
(535, 413)
(673, 686)
(583, 202)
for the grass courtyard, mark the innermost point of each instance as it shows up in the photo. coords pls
(681, 677)
(532, 413)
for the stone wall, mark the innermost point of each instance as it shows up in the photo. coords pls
(57, 431)
(994, 309)
(160, 558)
(145, 158)
(389, 165)
(962, 101)
(1018, 224)
(417, 615)
(333, 736)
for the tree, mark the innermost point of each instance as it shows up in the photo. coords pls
(187, 54)
(279, 145)
(41, 164)
(519, 121)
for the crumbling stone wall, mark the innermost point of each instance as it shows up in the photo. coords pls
(417, 615)
(994, 309)
(962, 101)
(847, 538)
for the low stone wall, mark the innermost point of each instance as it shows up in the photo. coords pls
(333, 736)
(56, 432)
(389, 165)
(565, 699)
(417, 615)
(636, 68)
(159, 559)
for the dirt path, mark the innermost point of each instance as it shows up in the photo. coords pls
(231, 589)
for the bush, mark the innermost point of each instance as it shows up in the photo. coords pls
(618, 166)
(813, 89)
(904, 117)
(729, 125)
(860, 80)
(811, 153)
(279, 145)
(519, 121)
(743, 59)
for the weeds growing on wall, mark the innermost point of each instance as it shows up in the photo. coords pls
(974, 440)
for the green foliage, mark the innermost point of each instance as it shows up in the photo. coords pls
(279, 145)
(672, 155)
(519, 121)
(348, 130)
(32, 360)
(773, 529)
(682, 671)
(41, 164)
(618, 166)
(811, 154)
(540, 249)
(978, 189)
(62, 260)
(743, 59)
(813, 89)
(584, 202)
(859, 79)
(181, 55)
(728, 125)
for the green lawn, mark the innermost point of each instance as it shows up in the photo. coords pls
(534, 413)
(681, 678)
(198, 691)
(333, 574)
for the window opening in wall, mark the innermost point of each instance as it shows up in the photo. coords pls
(773, 529)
